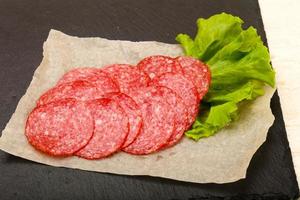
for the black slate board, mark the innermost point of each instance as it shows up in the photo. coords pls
(24, 26)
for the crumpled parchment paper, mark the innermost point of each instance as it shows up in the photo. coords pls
(220, 159)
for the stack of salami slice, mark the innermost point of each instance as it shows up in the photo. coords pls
(95, 112)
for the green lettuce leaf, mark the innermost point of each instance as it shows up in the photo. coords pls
(239, 64)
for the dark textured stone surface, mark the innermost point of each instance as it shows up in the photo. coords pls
(24, 26)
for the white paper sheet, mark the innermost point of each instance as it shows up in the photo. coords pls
(220, 159)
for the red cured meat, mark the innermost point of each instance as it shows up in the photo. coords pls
(111, 129)
(185, 89)
(179, 112)
(180, 115)
(60, 128)
(179, 109)
(158, 120)
(79, 90)
(98, 77)
(197, 72)
(133, 112)
(157, 65)
(128, 77)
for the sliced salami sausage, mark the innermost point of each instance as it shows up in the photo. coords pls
(133, 113)
(128, 77)
(197, 72)
(79, 90)
(180, 116)
(158, 120)
(185, 89)
(60, 128)
(111, 129)
(98, 77)
(158, 65)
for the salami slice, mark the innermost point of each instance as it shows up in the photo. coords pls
(111, 129)
(79, 90)
(133, 112)
(128, 77)
(98, 77)
(185, 89)
(179, 112)
(197, 72)
(180, 115)
(60, 128)
(158, 120)
(158, 65)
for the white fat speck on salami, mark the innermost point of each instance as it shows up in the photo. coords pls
(102, 80)
(60, 128)
(79, 90)
(133, 112)
(128, 77)
(111, 129)
(185, 89)
(197, 72)
(158, 120)
(157, 65)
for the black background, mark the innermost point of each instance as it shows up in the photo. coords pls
(24, 26)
